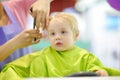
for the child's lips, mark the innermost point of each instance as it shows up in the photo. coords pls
(58, 44)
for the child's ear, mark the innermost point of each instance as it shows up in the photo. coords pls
(76, 36)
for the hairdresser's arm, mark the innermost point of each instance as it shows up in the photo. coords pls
(23, 39)
(40, 11)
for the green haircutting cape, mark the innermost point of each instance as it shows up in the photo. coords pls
(51, 63)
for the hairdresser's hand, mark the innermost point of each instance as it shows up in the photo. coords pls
(40, 12)
(26, 38)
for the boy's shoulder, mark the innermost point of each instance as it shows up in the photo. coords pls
(83, 51)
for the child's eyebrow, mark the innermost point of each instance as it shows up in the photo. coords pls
(63, 28)
(51, 30)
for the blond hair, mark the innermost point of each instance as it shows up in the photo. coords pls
(68, 17)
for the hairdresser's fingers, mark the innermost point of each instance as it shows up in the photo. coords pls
(47, 18)
(31, 41)
(31, 31)
(43, 22)
(29, 36)
(34, 13)
(37, 39)
(33, 35)
(39, 18)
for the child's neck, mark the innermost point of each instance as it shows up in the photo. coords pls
(67, 50)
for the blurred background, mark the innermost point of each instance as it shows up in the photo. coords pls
(99, 26)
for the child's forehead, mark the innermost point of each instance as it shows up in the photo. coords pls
(59, 24)
(58, 20)
(59, 28)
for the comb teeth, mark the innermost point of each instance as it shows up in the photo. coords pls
(34, 24)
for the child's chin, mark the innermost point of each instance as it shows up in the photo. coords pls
(60, 49)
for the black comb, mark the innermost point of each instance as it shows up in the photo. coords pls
(34, 23)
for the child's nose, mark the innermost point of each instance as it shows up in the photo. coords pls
(57, 37)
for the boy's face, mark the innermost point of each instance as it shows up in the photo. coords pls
(60, 34)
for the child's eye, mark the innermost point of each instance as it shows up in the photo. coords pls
(63, 32)
(52, 34)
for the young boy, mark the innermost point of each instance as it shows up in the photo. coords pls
(60, 59)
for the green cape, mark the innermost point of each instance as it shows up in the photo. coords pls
(51, 63)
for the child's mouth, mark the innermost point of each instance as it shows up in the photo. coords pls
(59, 44)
